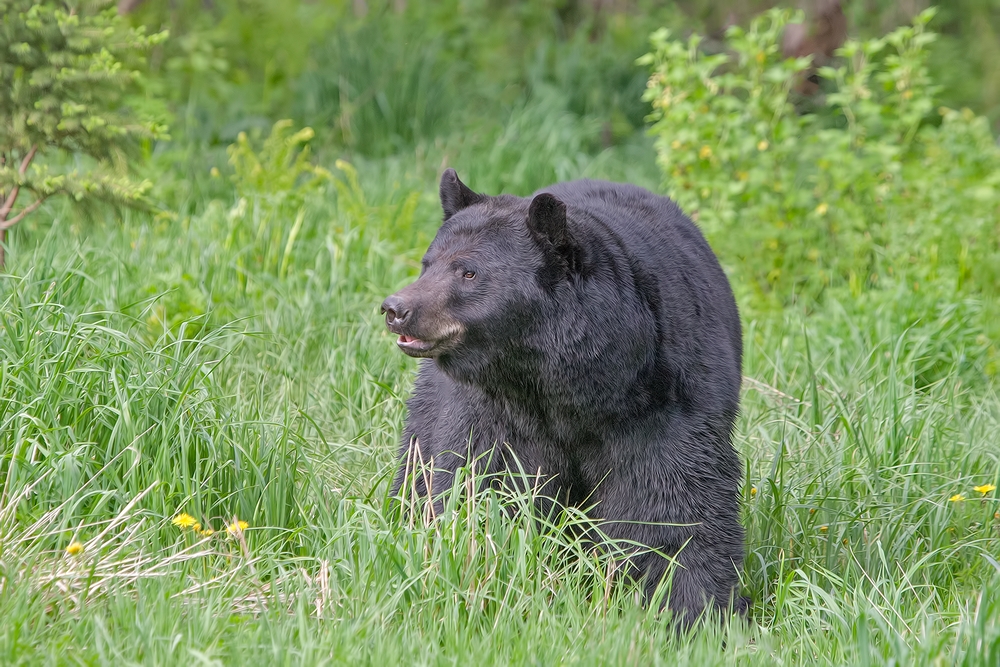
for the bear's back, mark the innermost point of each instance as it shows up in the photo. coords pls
(693, 300)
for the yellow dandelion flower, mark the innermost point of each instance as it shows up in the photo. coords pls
(208, 532)
(705, 153)
(237, 526)
(957, 498)
(75, 548)
(822, 208)
(753, 490)
(183, 520)
(823, 529)
(762, 145)
(196, 527)
(985, 488)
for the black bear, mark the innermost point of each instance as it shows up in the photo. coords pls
(590, 332)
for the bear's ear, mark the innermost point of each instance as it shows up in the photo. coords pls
(547, 223)
(455, 195)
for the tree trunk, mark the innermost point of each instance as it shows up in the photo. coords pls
(127, 6)
(7, 208)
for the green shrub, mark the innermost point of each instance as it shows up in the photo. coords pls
(72, 113)
(871, 190)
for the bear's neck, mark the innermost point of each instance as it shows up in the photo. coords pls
(561, 398)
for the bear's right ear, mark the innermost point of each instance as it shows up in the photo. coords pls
(455, 195)
(547, 223)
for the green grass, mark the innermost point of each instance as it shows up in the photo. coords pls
(148, 369)
(226, 359)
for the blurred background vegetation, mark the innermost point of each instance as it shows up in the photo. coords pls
(378, 75)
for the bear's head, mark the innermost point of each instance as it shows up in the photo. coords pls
(489, 277)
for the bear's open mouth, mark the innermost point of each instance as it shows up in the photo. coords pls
(414, 346)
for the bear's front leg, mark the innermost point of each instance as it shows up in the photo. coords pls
(425, 471)
(678, 497)
(701, 577)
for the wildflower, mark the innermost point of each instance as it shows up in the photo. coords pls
(823, 529)
(985, 488)
(196, 527)
(753, 491)
(705, 153)
(957, 498)
(237, 526)
(183, 520)
(74, 548)
(762, 145)
(208, 532)
(822, 208)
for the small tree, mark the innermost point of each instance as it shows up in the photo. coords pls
(69, 88)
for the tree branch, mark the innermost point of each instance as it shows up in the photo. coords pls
(27, 160)
(8, 203)
(7, 224)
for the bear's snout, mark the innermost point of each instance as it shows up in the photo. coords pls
(396, 311)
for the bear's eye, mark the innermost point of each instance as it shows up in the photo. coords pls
(469, 275)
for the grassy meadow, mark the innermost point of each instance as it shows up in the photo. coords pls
(200, 407)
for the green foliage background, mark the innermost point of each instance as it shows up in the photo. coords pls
(224, 356)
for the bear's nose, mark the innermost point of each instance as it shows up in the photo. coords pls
(395, 311)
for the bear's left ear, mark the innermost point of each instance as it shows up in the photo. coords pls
(547, 223)
(456, 195)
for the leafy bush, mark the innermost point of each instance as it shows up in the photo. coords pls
(272, 186)
(70, 84)
(869, 191)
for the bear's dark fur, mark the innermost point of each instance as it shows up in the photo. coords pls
(590, 331)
